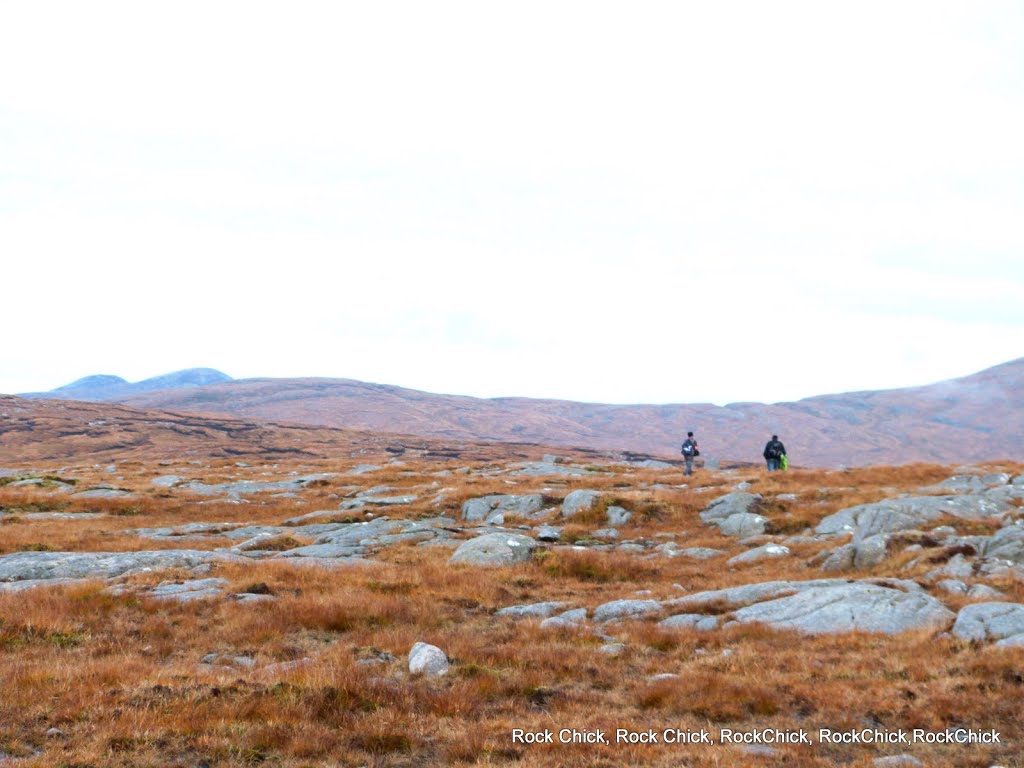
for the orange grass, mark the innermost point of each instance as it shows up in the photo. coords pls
(120, 676)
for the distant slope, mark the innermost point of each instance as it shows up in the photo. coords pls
(975, 418)
(34, 430)
(113, 388)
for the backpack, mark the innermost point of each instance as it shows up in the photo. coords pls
(690, 448)
(773, 450)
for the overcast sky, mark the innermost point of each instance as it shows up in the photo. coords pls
(618, 202)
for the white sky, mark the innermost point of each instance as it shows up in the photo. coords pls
(618, 202)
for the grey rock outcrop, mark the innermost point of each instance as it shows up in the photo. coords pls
(859, 554)
(104, 493)
(541, 468)
(731, 504)
(579, 501)
(699, 553)
(1006, 544)
(742, 525)
(167, 481)
(697, 621)
(250, 487)
(977, 592)
(532, 610)
(354, 540)
(189, 591)
(569, 619)
(863, 607)
(866, 520)
(735, 514)
(482, 508)
(495, 549)
(548, 533)
(971, 483)
(1000, 622)
(828, 605)
(618, 610)
(618, 516)
(764, 552)
(103, 565)
(23, 584)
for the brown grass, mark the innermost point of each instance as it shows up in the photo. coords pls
(119, 675)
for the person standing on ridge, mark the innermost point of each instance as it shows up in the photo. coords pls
(689, 451)
(774, 450)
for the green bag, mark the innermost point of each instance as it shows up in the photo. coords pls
(784, 462)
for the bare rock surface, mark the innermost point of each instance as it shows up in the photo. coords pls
(867, 520)
(999, 622)
(828, 605)
(532, 610)
(618, 610)
(764, 552)
(851, 607)
(104, 565)
(579, 501)
(481, 508)
(859, 554)
(495, 549)
(697, 621)
(735, 514)
(189, 591)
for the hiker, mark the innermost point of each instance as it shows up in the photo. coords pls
(689, 451)
(774, 451)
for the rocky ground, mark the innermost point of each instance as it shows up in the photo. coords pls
(424, 609)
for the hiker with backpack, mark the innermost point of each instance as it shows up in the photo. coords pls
(774, 453)
(689, 451)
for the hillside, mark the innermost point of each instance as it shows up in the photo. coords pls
(344, 598)
(975, 418)
(33, 430)
(970, 419)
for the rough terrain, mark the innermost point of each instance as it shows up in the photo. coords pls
(356, 605)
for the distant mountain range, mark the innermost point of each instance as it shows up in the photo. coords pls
(106, 388)
(970, 419)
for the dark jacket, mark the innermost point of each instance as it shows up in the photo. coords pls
(774, 449)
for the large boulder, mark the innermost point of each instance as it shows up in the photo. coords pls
(859, 554)
(495, 549)
(735, 514)
(429, 660)
(736, 503)
(850, 607)
(742, 525)
(579, 501)
(866, 520)
(764, 552)
(824, 606)
(1002, 622)
(1006, 544)
(483, 507)
(618, 515)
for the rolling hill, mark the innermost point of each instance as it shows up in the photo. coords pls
(975, 418)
